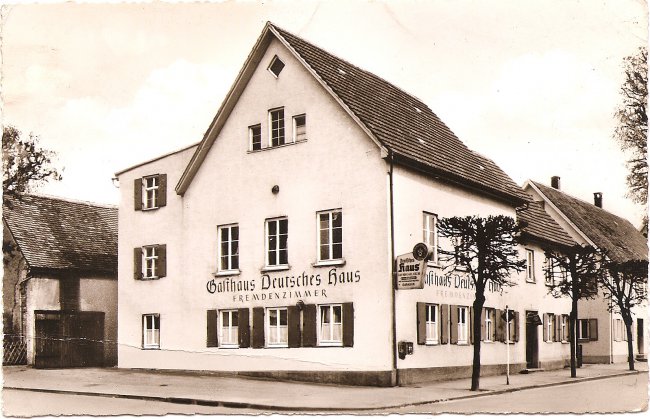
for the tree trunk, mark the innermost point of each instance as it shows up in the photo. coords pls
(630, 346)
(476, 326)
(572, 331)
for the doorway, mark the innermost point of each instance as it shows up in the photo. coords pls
(532, 339)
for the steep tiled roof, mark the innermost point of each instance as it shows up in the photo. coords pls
(606, 230)
(404, 124)
(541, 226)
(56, 234)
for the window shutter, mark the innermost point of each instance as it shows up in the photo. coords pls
(161, 268)
(454, 324)
(578, 329)
(258, 327)
(162, 190)
(137, 263)
(471, 324)
(483, 326)
(293, 326)
(593, 329)
(244, 328)
(545, 327)
(567, 334)
(500, 333)
(558, 328)
(212, 329)
(421, 323)
(348, 324)
(516, 327)
(309, 327)
(137, 194)
(444, 323)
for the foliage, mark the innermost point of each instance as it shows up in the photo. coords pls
(487, 249)
(24, 164)
(631, 131)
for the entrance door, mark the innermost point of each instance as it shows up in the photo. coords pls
(639, 336)
(532, 340)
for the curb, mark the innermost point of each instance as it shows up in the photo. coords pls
(257, 406)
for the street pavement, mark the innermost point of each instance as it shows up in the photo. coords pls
(242, 392)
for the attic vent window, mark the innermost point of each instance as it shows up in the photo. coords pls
(418, 110)
(421, 141)
(276, 66)
(342, 72)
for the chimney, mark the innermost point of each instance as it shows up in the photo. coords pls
(555, 182)
(598, 199)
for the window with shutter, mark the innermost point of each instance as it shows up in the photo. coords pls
(137, 263)
(150, 192)
(137, 194)
(420, 310)
(330, 325)
(228, 328)
(348, 324)
(211, 339)
(277, 327)
(545, 326)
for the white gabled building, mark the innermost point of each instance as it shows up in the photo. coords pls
(268, 248)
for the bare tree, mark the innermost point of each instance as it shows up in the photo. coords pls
(24, 163)
(574, 272)
(632, 128)
(626, 285)
(487, 249)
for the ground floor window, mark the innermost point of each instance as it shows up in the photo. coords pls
(549, 327)
(432, 324)
(277, 327)
(229, 328)
(462, 325)
(490, 320)
(565, 328)
(151, 331)
(330, 325)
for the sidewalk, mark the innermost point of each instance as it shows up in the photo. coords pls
(279, 395)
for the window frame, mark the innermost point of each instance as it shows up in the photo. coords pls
(251, 137)
(280, 129)
(272, 63)
(581, 335)
(489, 324)
(332, 324)
(463, 331)
(432, 324)
(229, 269)
(530, 265)
(550, 327)
(221, 342)
(145, 341)
(268, 327)
(330, 237)
(426, 231)
(154, 189)
(564, 327)
(278, 248)
(153, 258)
(294, 124)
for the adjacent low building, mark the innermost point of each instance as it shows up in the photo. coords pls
(268, 248)
(60, 282)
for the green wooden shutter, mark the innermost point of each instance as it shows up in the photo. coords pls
(309, 326)
(593, 329)
(293, 327)
(162, 190)
(258, 327)
(161, 268)
(421, 316)
(444, 323)
(137, 263)
(244, 328)
(212, 322)
(453, 324)
(348, 324)
(137, 194)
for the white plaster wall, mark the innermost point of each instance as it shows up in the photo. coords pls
(415, 194)
(42, 294)
(337, 167)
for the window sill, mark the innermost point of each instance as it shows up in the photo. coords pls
(277, 146)
(153, 278)
(229, 347)
(275, 268)
(531, 280)
(330, 345)
(149, 209)
(339, 262)
(227, 273)
(432, 343)
(151, 348)
(277, 346)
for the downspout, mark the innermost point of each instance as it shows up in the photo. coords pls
(394, 372)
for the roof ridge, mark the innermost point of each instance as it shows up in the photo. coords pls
(71, 200)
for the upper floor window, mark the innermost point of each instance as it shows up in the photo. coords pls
(150, 262)
(276, 66)
(150, 192)
(430, 232)
(330, 232)
(299, 127)
(277, 233)
(151, 331)
(228, 248)
(255, 137)
(276, 125)
(530, 265)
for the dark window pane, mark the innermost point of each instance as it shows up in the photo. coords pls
(235, 318)
(272, 227)
(337, 235)
(337, 219)
(337, 251)
(324, 252)
(283, 257)
(283, 317)
(284, 225)
(337, 314)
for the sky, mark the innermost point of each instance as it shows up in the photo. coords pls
(532, 85)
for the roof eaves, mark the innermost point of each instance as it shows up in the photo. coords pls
(13, 237)
(171, 153)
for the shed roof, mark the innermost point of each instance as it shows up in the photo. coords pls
(59, 234)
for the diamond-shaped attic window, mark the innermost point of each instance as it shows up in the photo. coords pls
(276, 66)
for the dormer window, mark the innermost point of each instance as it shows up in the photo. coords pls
(276, 66)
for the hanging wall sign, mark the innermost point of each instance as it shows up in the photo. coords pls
(410, 272)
